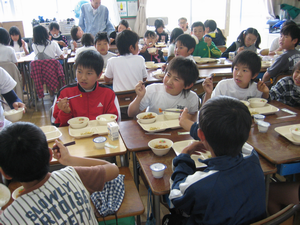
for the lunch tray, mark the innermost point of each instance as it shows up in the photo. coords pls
(91, 129)
(160, 124)
(51, 132)
(285, 132)
(204, 60)
(266, 110)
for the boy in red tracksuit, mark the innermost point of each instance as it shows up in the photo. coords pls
(96, 99)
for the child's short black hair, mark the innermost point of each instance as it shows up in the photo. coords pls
(291, 30)
(211, 24)
(175, 33)
(248, 58)
(125, 39)
(4, 36)
(150, 34)
(87, 39)
(186, 69)
(226, 123)
(40, 35)
(198, 24)
(159, 23)
(90, 59)
(53, 25)
(101, 36)
(74, 31)
(187, 41)
(124, 23)
(24, 153)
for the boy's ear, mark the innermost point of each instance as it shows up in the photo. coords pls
(100, 74)
(51, 154)
(189, 86)
(255, 75)
(191, 51)
(294, 41)
(201, 134)
(5, 175)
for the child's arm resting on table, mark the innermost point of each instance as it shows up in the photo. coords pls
(63, 157)
(134, 106)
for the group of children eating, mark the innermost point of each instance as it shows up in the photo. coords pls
(230, 190)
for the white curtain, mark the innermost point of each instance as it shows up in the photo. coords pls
(140, 25)
(270, 8)
(113, 11)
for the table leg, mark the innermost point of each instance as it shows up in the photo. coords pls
(267, 184)
(135, 172)
(156, 204)
(124, 160)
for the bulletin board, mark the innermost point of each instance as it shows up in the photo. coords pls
(127, 8)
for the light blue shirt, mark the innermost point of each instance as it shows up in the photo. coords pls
(93, 23)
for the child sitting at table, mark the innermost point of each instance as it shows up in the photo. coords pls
(174, 92)
(123, 25)
(159, 29)
(62, 196)
(212, 31)
(174, 34)
(17, 42)
(245, 67)
(184, 25)
(95, 99)
(205, 47)
(56, 35)
(128, 68)
(289, 39)
(247, 40)
(44, 48)
(88, 44)
(231, 190)
(102, 46)
(150, 39)
(7, 52)
(287, 89)
(76, 34)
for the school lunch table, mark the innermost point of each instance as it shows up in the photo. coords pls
(84, 147)
(277, 144)
(136, 141)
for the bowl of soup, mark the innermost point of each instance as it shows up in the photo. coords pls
(147, 117)
(106, 118)
(78, 122)
(257, 102)
(14, 115)
(160, 146)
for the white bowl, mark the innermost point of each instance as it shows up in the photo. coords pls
(263, 126)
(245, 102)
(222, 60)
(171, 115)
(4, 195)
(17, 192)
(151, 50)
(158, 170)
(106, 118)
(257, 102)
(258, 117)
(155, 143)
(141, 117)
(295, 130)
(14, 115)
(161, 43)
(78, 122)
(99, 142)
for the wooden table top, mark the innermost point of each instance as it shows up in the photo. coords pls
(84, 147)
(162, 186)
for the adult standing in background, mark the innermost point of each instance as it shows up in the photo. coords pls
(94, 18)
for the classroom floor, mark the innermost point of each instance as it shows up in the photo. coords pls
(41, 117)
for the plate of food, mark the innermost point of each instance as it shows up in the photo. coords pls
(180, 145)
(52, 133)
(286, 131)
(91, 129)
(158, 74)
(160, 124)
(265, 110)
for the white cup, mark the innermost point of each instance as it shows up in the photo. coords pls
(158, 170)
(258, 117)
(263, 126)
(99, 142)
(222, 60)
(65, 49)
(18, 55)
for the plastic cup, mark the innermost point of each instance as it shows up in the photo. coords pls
(263, 126)
(258, 117)
(99, 142)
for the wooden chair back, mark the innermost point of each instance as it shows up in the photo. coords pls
(222, 48)
(125, 97)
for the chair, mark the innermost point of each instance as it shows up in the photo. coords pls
(14, 72)
(124, 98)
(283, 217)
(222, 48)
(132, 204)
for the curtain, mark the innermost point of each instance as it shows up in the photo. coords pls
(140, 25)
(270, 4)
(113, 11)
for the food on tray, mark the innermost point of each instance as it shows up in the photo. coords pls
(86, 133)
(253, 112)
(148, 116)
(161, 146)
(154, 128)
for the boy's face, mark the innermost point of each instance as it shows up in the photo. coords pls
(102, 47)
(150, 40)
(121, 27)
(198, 32)
(173, 83)
(286, 42)
(181, 50)
(54, 32)
(296, 77)
(183, 25)
(242, 75)
(86, 77)
(79, 32)
(160, 30)
(250, 39)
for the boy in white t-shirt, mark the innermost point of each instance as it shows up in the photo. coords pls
(102, 46)
(174, 92)
(128, 68)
